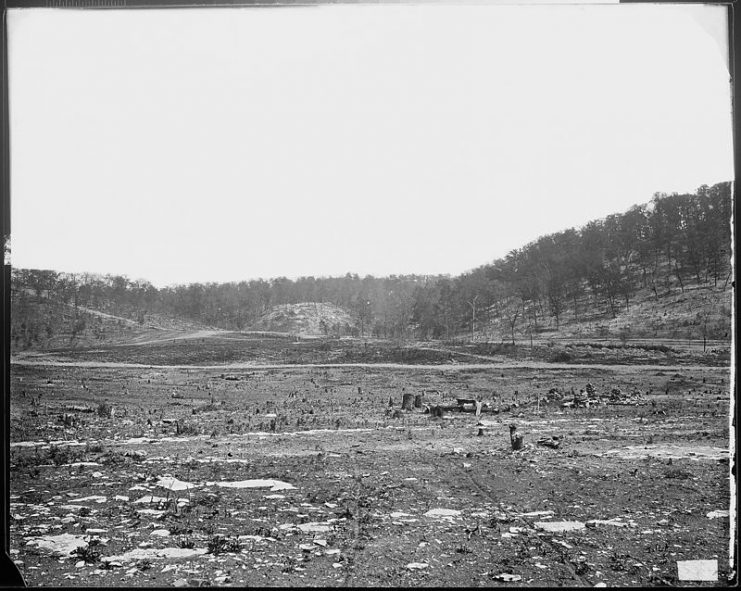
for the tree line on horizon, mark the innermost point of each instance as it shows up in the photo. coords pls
(674, 240)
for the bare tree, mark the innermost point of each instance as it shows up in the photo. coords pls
(472, 303)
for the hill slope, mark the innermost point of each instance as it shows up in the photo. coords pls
(43, 321)
(662, 270)
(696, 312)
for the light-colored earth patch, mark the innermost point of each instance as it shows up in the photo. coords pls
(275, 485)
(669, 450)
(60, 545)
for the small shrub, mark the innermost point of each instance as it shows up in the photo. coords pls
(561, 357)
(93, 448)
(218, 545)
(87, 553)
(184, 428)
(210, 407)
(58, 455)
(186, 543)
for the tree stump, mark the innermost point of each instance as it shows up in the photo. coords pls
(516, 439)
(407, 401)
(418, 398)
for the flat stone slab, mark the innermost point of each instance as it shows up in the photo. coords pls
(61, 545)
(274, 485)
(560, 526)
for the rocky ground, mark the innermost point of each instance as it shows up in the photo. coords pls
(161, 476)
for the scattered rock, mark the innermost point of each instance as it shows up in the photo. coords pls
(552, 442)
(155, 553)
(275, 485)
(314, 527)
(445, 513)
(417, 565)
(160, 533)
(560, 526)
(614, 521)
(507, 577)
(150, 499)
(61, 545)
(174, 484)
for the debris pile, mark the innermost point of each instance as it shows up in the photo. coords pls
(553, 395)
(634, 398)
(554, 442)
(584, 399)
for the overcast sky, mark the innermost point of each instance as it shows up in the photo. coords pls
(229, 144)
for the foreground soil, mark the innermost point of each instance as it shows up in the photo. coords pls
(130, 476)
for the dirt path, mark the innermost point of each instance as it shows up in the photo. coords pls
(460, 353)
(92, 311)
(198, 334)
(38, 360)
(127, 321)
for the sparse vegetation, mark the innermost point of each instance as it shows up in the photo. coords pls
(219, 545)
(299, 457)
(89, 554)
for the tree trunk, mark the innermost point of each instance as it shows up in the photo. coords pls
(728, 278)
(679, 276)
(576, 313)
(612, 306)
(516, 439)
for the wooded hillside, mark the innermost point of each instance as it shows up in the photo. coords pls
(659, 261)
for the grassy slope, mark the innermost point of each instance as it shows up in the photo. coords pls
(675, 315)
(41, 323)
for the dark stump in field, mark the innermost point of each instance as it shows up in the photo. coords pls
(516, 439)
(407, 402)
(436, 411)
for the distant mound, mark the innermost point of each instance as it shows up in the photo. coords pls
(308, 319)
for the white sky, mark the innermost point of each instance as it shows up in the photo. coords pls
(229, 144)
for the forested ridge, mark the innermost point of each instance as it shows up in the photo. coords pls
(650, 254)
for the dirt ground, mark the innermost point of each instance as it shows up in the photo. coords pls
(236, 475)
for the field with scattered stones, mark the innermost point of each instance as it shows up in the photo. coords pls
(235, 460)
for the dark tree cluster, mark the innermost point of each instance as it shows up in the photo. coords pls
(672, 241)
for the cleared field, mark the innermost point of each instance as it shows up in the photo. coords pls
(315, 476)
